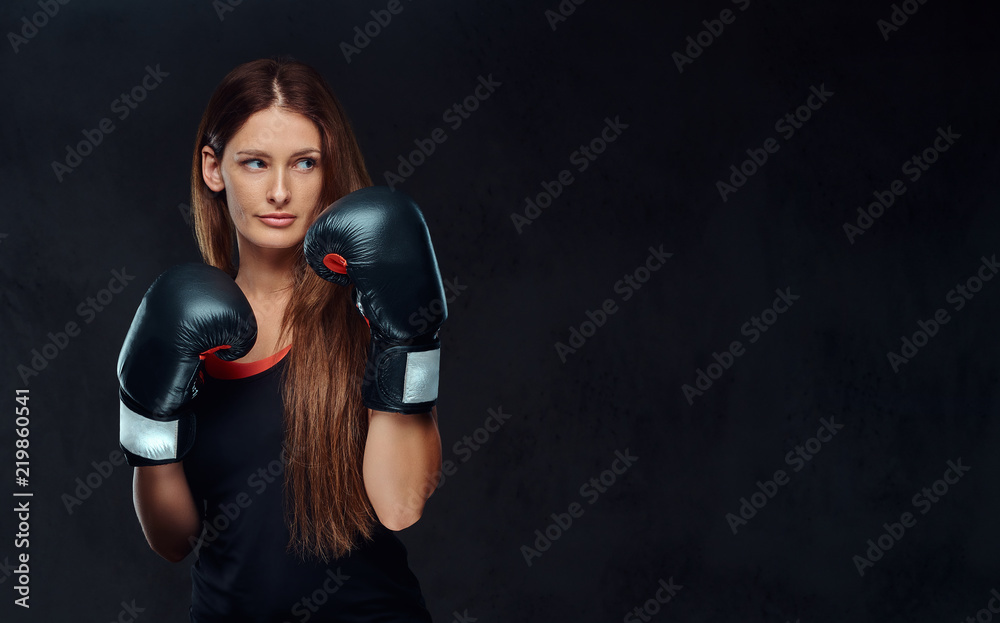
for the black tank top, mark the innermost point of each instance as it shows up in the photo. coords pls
(244, 572)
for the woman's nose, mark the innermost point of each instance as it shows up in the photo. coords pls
(278, 193)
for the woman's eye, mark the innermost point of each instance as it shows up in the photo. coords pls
(250, 163)
(308, 162)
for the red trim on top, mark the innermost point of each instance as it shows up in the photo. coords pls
(212, 350)
(229, 370)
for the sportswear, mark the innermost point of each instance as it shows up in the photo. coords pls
(236, 474)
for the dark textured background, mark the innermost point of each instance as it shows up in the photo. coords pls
(665, 517)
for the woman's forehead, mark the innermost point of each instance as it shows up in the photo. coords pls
(277, 129)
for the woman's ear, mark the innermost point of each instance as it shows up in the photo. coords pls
(211, 169)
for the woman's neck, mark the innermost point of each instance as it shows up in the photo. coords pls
(266, 273)
(266, 277)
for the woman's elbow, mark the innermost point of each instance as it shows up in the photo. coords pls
(401, 521)
(400, 517)
(170, 547)
(171, 555)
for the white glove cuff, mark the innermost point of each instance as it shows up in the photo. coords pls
(150, 439)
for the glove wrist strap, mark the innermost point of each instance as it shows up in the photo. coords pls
(402, 378)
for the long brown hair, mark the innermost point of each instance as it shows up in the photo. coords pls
(326, 423)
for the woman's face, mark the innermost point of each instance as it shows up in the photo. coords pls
(271, 173)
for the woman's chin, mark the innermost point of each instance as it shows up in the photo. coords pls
(276, 240)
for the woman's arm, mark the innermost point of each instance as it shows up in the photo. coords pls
(166, 509)
(402, 465)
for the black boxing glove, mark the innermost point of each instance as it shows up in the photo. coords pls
(376, 240)
(189, 311)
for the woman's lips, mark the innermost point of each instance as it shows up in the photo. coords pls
(277, 220)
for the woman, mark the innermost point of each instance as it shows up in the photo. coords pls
(296, 482)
